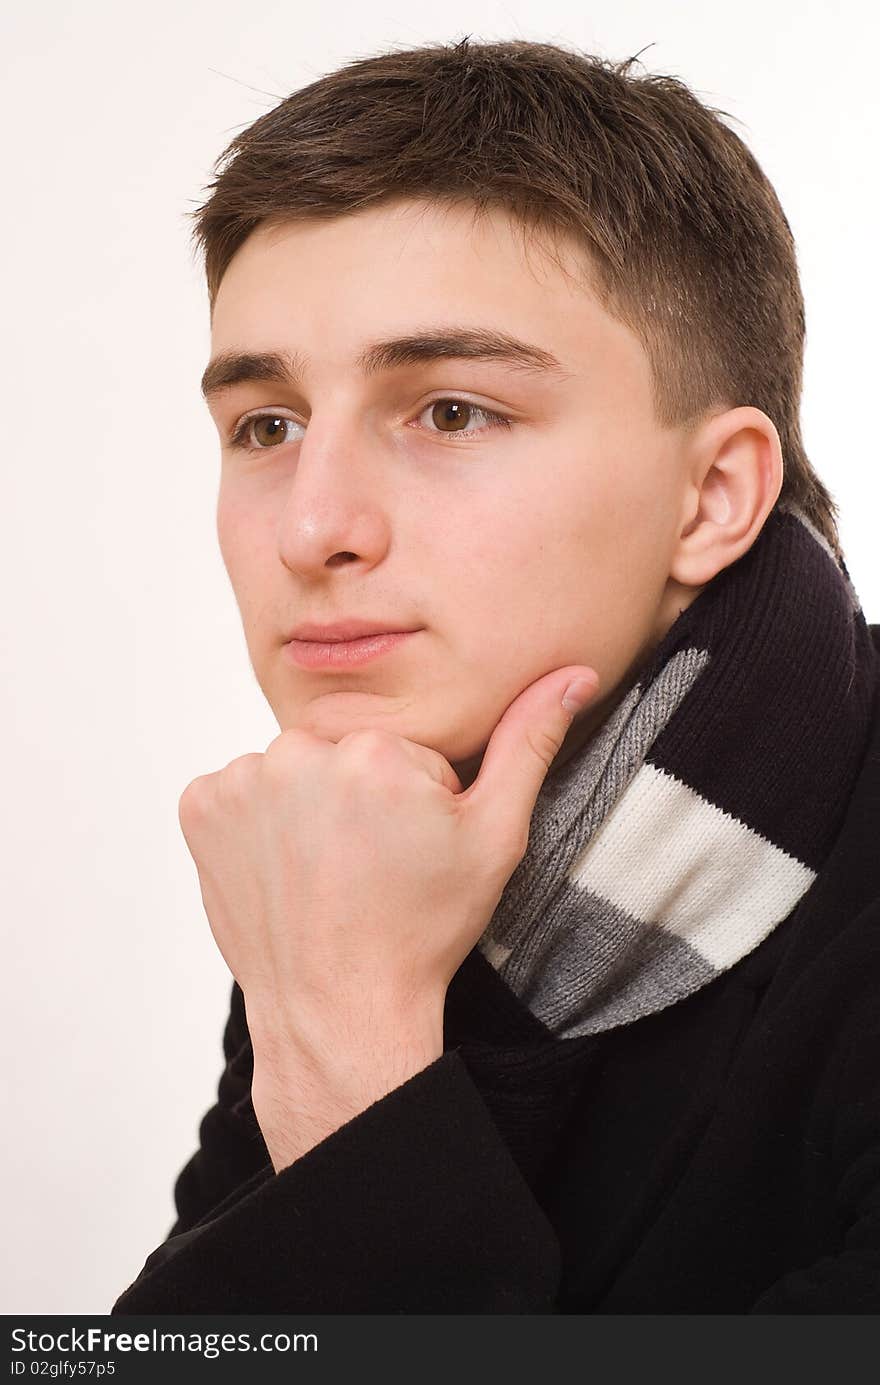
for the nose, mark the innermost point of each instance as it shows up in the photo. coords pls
(333, 511)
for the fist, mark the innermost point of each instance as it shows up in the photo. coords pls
(345, 883)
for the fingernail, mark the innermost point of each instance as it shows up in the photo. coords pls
(578, 694)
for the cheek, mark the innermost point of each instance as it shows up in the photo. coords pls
(243, 535)
(246, 550)
(230, 528)
(509, 582)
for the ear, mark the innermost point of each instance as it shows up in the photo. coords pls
(737, 471)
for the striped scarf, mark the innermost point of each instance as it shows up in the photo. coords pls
(698, 815)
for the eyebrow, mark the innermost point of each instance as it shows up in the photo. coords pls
(231, 368)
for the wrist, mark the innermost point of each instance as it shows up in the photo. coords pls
(313, 1077)
(315, 1032)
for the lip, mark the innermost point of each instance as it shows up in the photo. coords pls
(344, 630)
(344, 653)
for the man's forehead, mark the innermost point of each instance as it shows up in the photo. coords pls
(282, 276)
(500, 240)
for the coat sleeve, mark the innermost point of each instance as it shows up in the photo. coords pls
(416, 1205)
(231, 1145)
(848, 1280)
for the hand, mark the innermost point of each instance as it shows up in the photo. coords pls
(344, 885)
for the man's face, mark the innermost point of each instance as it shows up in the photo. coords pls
(394, 494)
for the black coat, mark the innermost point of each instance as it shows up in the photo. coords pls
(720, 1156)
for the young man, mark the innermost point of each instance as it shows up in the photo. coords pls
(539, 1005)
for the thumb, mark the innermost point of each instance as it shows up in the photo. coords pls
(523, 746)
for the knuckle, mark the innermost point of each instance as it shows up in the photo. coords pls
(193, 800)
(543, 743)
(289, 745)
(278, 746)
(368, 741)
(241, 771)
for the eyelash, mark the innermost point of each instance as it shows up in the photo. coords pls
(239, 436)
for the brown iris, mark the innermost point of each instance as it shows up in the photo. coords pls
(275, 429)
(451, 411)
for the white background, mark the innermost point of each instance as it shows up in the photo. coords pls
(124, 669)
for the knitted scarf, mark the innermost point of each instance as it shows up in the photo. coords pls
(701, 811)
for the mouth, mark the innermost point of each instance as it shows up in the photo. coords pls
(345, 654)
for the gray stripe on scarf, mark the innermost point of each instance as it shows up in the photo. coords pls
(624, 969)
(569, 809)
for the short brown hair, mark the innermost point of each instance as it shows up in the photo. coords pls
(686, 239)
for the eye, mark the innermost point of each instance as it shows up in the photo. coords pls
(267, 428)
(451, 417)
(261, 432)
